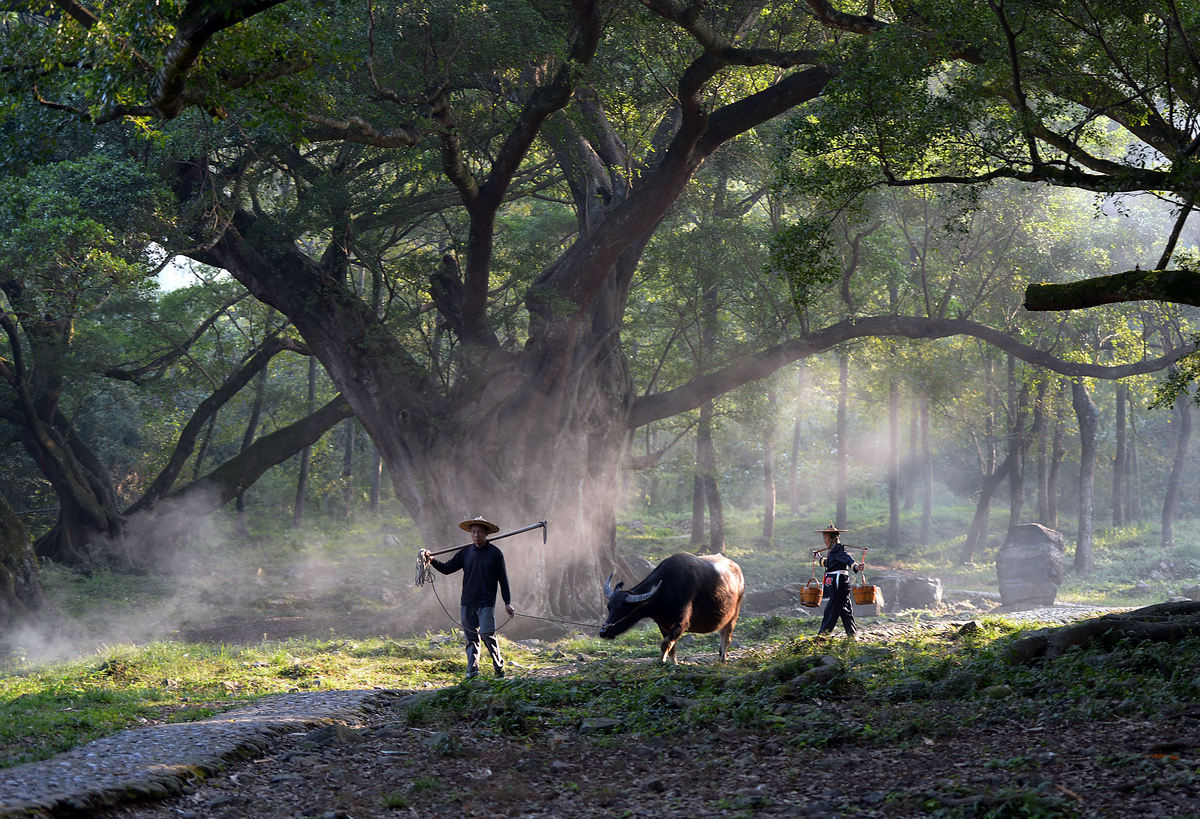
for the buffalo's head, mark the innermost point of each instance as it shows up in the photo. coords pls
(623, 608)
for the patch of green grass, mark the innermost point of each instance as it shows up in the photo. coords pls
(47, 709)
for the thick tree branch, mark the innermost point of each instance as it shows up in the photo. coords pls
(759, 365)
(1175, 286)
(223, 484)
(137, 375)
(196, 26)
(1164, 622)
(186, 443)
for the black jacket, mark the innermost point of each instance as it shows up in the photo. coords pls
(838, 559)
(483, 569)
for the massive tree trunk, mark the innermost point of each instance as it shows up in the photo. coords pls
(1088, 416)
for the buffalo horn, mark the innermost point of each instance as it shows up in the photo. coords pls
(638, 598)
(608, 589)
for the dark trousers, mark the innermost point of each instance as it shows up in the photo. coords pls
(479, 622)
(837, 592)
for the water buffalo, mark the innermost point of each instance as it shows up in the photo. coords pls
(683, 593)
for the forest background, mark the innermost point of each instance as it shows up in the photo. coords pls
(288, 290)
(606, 262)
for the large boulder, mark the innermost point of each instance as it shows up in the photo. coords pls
(908, 591)
(1029, 567)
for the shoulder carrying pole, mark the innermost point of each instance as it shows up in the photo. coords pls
(425, 574)
(540, 523)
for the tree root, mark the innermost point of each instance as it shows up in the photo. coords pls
(1162, 622)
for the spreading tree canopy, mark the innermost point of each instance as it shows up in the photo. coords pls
(371, 170)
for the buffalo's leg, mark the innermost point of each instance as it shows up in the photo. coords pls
(726, 639)
(670, 636)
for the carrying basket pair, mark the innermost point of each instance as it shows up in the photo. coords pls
(862, 593)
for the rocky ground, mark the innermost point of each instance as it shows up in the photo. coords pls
(372, 755)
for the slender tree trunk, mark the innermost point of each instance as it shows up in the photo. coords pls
(843, 443)
(712, 489)
(926, 476)
(1120, 468)
(697, 533)
(991, 473)
(376, 478)
(908, 474)
(1133, 493)
(348, 468)
(306, 455)
(1017, 443)
(1170, 511)
(893, 471)
(768, 528)
(1058, 450)
(794, 462)
(260, 391)
(1043, 461)
(202, 450)
(977, 533)
(1088, 416)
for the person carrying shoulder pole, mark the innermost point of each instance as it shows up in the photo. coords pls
(482, 565)
(838, 565)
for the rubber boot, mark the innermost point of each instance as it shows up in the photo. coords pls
(472, 660)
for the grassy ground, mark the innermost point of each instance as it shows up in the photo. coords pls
(46, 708)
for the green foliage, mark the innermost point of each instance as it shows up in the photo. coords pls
(803, 252)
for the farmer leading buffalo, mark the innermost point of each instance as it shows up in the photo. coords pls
(482, 565)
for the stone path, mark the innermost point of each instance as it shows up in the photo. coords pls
(155, 762)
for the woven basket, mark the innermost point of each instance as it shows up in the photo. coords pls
(810, 595)
(864, 594)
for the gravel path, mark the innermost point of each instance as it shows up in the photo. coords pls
(158, 761)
